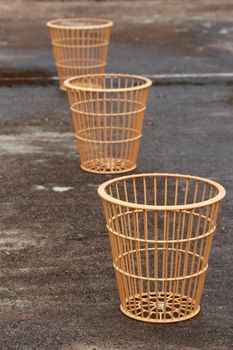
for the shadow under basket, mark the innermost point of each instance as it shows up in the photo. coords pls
(160, 228)
(108, 113)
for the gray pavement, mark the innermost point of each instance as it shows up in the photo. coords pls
(148, 37)
(57, 284)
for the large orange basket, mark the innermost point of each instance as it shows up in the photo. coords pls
(108, 112)
(80, 45)
(161, 228)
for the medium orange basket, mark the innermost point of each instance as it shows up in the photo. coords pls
(108, 113)
(80, 45)
(161, 228)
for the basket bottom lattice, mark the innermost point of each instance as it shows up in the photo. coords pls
(108, 165)
(158, 307)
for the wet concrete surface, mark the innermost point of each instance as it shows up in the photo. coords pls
(57, 284)
(148, 37)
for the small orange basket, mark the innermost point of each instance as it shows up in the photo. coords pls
(161, 228)
(108, 113)
(80, 45)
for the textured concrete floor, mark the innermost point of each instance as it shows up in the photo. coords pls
(57, 285)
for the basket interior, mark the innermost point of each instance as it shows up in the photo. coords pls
(107, 82)
(80, 22)
(160, 190)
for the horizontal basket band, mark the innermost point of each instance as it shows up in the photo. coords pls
(153, 279)
(77, 66)
(132, 139)
(105, 114)
(81, 46)
(191, 239)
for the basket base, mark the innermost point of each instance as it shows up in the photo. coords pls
(108, 166)
(177, 308)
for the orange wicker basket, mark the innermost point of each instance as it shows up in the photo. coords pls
(161, 228)
(108, 112)
(80, 45)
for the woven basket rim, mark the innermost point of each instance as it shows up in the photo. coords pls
(103, 194)
(98, 23)
(146, 82)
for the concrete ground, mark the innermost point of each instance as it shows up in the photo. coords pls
(57, 284)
